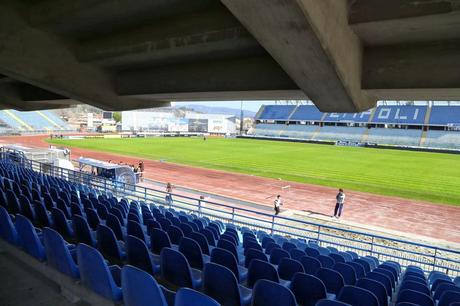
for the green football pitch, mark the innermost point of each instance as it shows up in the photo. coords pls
(433, 177)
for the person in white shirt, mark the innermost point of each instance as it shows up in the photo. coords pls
(278, 203)
(340, 201)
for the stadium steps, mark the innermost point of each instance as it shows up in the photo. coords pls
(293, 112)
(426, 122)
(21, 122)
(366, 132)
(49, 120)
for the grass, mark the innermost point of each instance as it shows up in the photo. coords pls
(433, 177)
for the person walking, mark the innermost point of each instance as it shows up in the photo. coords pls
(141, 170)
(340, 201)
(278, 203)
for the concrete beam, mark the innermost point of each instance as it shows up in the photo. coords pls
(80, 18)
(10, 97)
(424, 72)
(321, 56)
(247, 74)
(39, 58)
(206, 35)
(404, 22)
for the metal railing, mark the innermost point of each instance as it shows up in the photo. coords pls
(406, 252)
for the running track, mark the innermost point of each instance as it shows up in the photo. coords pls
(406, 216)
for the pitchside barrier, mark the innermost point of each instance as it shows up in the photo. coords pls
(406, 252)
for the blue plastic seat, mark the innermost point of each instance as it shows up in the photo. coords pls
(448, 298)
(348, 273)
(326, 261)
(417, 280)
(312, 252)
(192, 251)
(96, 275)
(423, 288)
(331, 279)
(268, 293)
(141, 289)
(159, 240)
(288, 246)
(388, 273)
(83, 233)
(135, 229)
(175, 234)
(310, 264)
(437, 275)
(254, 254)
(165, 223)
(28, 238)
(61, 224)
(259, 269)
(220, 283)
(58, 255)
(297, 254)
(109, 246)
(42, 215)
(63, 206)
(176, 270)
(359, 269)
(270, 246)
(364, 263)
(323, 250)
(288, 267)
(202, 241)
(376, 288)
(209, 236)
(331, 303)
(229, 246)
(277, 254)
(266, 240)
(26, 208)
(186, 229)
(307, 289)
(7, 230)
(113, 222)
(139, 256)
(415, 297)
(357, 296)
(92, 218)
(443, 288)
(190, 297)
(383, 279)
(226, 259)
(337, 257)
(457, 281)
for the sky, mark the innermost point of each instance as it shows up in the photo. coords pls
(247, 105)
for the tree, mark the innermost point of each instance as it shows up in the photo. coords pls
(116, 116)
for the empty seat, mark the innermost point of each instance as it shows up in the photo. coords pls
(135, 229)
(92, 218)
(288, 267)
(307, 289)
(448, 298)
(176, 270)
(226, 259)
(359, 269)
(7, 230)
(109, 246)
(357, 296)
(443, 288)
(259, 269)
(42, 215)
(190, 297)
(423, 288)
(383, 279)
(83, 233)
(114, 223)
(202, 241)
(331, 279)
(277, 254)
(28, 238)
(348, 273)
(254, 254)
(376, 288)
(140, 257)
(192, 251)
(415, 297)
(288, 246)
(58, 255)
(297, 253)
(310, 264)
(220, 283)
(159, 239)
(61, 224)
(175, 234)
(268, 293)
(96, 275)
(326, 261)
(229, 246)
(364, 263)
(140, 288)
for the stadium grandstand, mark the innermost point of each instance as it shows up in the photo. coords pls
(45, 121)
(109, 246)
(427, 126)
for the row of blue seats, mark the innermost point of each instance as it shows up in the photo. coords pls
(231, 236)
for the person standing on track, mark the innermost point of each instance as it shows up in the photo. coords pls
(278, 203)
(141, 170)
(168, 198)
(340, 201)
